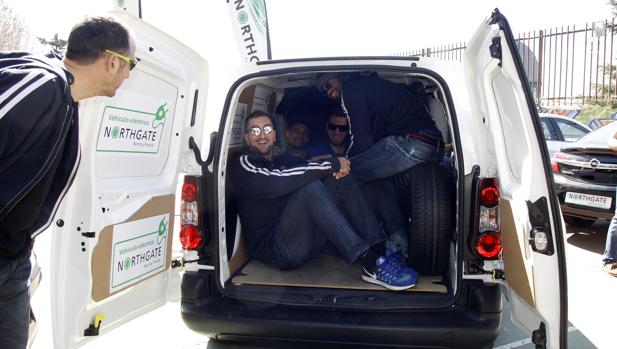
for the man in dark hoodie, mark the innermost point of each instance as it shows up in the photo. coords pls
(391, 129)
(290, 212)
(39, 146)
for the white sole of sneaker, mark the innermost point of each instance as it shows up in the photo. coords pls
(383, 284)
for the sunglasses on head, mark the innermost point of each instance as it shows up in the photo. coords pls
(341, 128)
(129, 60)
(325, 87)
(256, 130)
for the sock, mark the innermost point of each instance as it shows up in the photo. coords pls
(368, 259)
(379, 249)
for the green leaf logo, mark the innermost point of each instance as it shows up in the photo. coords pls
(162, 231)
(127, 263)
(115, 132)
(160, 115)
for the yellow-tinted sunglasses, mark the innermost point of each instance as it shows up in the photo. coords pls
(130, 61)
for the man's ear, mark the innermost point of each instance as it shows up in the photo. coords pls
(246, 138)
(112, 63)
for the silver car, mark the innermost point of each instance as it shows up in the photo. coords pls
(559, 131)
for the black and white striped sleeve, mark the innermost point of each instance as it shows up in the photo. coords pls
(250, 180)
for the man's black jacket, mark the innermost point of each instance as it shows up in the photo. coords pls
(39, 146)
(261, 189)
(379, 108)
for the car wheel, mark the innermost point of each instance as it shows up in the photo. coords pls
(578, 222)
(430, 219)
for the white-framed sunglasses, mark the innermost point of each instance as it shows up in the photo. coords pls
(256, 130)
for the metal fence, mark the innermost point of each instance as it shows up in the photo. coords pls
(565, 66)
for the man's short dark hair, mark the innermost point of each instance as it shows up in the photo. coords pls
(256, 114)
(338, 111)
(294, 122)
(90, 38)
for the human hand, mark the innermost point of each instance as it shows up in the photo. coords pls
(345, 167)
(320, 157)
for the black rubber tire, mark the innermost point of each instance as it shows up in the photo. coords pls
(578, 222)
(431, 219)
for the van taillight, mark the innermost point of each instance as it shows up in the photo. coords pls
(488, 239)
(190, 235)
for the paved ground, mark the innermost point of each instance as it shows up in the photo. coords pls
(590, 291)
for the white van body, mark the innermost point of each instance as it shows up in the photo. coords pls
(112, 238)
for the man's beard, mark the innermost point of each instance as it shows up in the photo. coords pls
(265, 153)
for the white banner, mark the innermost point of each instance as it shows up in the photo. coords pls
(138, 250)
(250, 22)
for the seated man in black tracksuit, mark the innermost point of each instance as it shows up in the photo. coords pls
(290, 212)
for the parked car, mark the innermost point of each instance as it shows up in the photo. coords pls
(585, 175)
(560, 131)
(112, 237)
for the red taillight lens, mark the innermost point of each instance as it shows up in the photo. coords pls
(190, 235)
(489, 245)
(555, 166)
(488, 236)
(489, 194)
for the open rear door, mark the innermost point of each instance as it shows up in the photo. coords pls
(531, 227)
(112, 240)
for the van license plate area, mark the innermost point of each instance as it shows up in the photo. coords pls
(589, 200)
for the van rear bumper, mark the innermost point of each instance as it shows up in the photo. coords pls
(233, 320)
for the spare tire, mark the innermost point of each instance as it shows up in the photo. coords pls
(431, 219)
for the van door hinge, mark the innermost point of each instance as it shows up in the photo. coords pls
(495, 49)
(541, 233)
(538, 337)
(180, 262)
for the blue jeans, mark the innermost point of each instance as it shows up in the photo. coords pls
(14, 303)
(329, 212)
(393, 155)
(610, 249)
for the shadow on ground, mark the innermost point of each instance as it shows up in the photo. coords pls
(591, 239)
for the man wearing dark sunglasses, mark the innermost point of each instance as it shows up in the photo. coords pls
(391, 129)
(290, 214)
(337, 130)
(39, 146)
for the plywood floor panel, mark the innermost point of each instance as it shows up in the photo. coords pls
(323, 271)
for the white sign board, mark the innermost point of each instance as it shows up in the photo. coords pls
(131, 131)
(138, 250)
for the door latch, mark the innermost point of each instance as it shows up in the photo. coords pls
(495, 49)
(538, 337)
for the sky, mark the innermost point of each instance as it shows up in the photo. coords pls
(313, 28)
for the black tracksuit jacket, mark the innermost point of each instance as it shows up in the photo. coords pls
(39, 146)
(261, 189)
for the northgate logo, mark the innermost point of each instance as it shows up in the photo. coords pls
(131, 131)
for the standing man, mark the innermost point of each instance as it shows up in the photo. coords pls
(609, 259)
(39, 146)
(289, 214)
(391, 130)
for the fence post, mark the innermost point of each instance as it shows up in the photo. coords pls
(540, 61)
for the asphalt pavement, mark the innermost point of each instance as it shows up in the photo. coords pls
(590, 292)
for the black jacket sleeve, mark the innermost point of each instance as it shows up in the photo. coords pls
(360, 118)
(250, 180)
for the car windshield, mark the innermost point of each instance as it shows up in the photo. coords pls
(598, 137)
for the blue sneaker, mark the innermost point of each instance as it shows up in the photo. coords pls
(398, 257)
(391, 274)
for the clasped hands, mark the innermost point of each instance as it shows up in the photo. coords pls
(345, 167)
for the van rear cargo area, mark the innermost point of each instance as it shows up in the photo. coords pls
(323, 271)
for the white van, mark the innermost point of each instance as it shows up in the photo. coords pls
(503, 230)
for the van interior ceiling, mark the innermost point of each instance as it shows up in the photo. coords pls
(295, 96)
